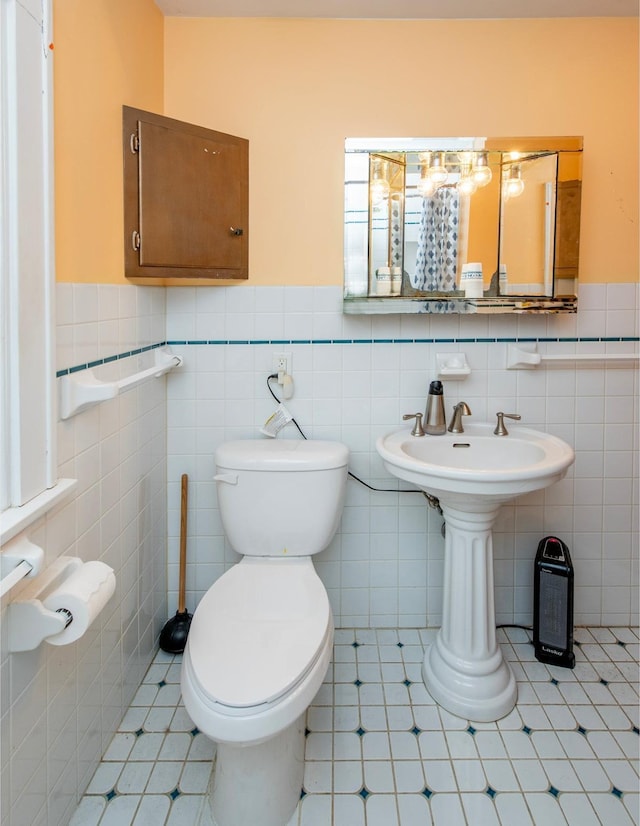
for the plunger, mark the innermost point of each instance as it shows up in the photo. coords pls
(173, 636)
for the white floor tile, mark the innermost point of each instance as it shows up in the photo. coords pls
(375, 746)
(88, 812)
(545, 809)
(479, 809)
(317, 776)
(409, 776)
(120, 747)
(186, 809)
(175, 746)
(159, 719)
(134, 777)
(490, 744)
(628, 742)
(592, 776)
(622, 775)
(346, 746)
(575, 745)
(611, 810)
(373, 718)
(348, 809)
(414, 808)
(561, 775)
(469, 775)
(382, 810)
(446, 810)
(439, 776)
(512, 809)
(315, 810)
(604, 745)
(531, 775)
(518, 745)
(378, 776)
(121, 810)
(461, 744)
(105, 777)
(152, 811)
(500, 776)
(404, 745)
(164, 778)
(195, 777)
(347, 776)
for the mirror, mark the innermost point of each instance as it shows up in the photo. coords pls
(462, 225)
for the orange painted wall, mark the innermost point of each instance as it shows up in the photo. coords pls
(297, 88)
(107, 53)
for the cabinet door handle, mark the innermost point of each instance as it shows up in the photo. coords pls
(235, 231)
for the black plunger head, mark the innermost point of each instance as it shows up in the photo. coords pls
(173, 636)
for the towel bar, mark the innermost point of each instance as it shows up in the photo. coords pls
(79, 391)
(518, 357)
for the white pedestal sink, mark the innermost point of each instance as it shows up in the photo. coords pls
(472, 474)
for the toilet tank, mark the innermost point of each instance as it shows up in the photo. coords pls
(281, 497)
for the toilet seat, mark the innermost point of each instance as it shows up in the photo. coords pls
(257, 632)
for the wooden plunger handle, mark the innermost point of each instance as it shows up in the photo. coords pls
(183, 543)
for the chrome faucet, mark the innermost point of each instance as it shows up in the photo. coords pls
(460, 410)
(501, 430)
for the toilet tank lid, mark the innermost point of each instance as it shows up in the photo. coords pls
(282, 454)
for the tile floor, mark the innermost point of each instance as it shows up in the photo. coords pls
(381, 753)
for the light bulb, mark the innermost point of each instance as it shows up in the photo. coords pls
(379, 190)
(513, 184)
(481, 172)
(466, 185)
(438, 171)
(425, 186)
(379, 186)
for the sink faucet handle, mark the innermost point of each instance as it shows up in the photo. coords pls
(501, 430)
(418, 430)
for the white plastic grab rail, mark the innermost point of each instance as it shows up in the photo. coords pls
(19, 558)
(79, 391)
(517, 357)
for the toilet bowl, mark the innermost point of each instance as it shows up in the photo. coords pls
(261, 638)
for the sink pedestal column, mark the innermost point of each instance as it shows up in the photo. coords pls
(464, 670)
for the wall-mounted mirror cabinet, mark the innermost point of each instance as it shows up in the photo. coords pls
(462, 225)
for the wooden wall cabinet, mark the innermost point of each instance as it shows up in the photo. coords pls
(186, 200)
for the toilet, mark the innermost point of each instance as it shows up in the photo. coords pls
(261, 638)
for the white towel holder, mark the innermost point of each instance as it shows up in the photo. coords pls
(518, 357)
(81, 390)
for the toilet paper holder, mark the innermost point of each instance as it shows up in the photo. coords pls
(29, 621)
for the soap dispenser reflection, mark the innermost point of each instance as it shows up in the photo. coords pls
(434, 421)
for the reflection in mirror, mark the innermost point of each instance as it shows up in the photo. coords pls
(462, 224)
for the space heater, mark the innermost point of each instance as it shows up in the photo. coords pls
(553, 604)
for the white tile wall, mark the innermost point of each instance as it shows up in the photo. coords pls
(61, 705)
(384, 567)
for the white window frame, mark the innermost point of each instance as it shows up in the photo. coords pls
(28, 465)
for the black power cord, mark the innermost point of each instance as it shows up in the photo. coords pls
(352, 475)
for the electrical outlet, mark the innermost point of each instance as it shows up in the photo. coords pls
(281, 365)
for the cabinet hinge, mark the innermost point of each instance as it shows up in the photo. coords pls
(134, 143)
(135, 240)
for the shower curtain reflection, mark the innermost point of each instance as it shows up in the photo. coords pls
(436, 266)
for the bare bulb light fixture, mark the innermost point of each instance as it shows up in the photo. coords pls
(438, 170)
(425, 186)
(481, 171)
(379, 185)
(513, 185)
